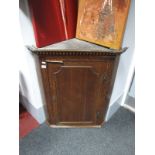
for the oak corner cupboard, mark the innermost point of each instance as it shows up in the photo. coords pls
(78, 78)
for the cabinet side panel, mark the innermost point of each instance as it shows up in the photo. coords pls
(45, 81)
(113, 71)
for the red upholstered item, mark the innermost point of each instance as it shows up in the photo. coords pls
(71, 10)
(47, 19)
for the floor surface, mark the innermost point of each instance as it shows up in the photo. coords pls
(116, 137)
(130, 101)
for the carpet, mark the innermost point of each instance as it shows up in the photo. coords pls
(26, 122)
(130, 101)
(116, 137)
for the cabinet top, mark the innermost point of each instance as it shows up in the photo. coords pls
(75, 45)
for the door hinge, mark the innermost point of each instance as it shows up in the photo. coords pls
(43, 64)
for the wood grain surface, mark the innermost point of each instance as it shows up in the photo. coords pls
(77, 89)
(102, 21)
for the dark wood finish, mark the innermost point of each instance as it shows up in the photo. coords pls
(74, 53)
(77, 85)
(77, 89)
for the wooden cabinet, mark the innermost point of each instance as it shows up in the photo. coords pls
(77, 84)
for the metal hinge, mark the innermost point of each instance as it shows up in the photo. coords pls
(43, 64)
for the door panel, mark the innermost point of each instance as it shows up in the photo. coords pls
(75, 101)
(78, 91)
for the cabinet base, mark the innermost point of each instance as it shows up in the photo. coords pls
(73, 126)
(77, 126)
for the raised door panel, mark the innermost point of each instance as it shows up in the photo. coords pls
(78, 92)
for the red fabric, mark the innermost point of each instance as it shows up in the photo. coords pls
(71, 15)
(48, 23)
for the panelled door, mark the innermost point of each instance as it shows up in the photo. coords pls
(78, 91)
